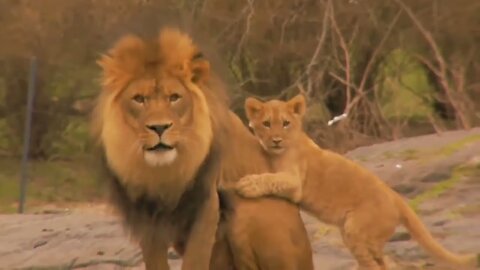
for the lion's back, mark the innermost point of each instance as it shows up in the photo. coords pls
(286, 235)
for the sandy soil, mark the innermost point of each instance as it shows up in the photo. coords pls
(439, 172)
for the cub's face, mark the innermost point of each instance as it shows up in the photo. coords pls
(159, 110)
(276, 123)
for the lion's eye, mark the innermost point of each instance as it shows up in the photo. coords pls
(174, 97)
(266, 124)
(286, 123)
(139, 98)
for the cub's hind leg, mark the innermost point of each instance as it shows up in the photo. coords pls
(360, 250)
(366, 238)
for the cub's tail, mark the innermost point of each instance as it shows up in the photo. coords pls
(420, 233)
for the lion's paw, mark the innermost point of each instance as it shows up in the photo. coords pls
(249, 187)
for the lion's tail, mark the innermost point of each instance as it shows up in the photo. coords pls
(420, 233)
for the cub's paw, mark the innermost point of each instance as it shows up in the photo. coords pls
(249, 187)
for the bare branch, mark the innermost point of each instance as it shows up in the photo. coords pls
(429, 65)
(316, 53)
(340, 79)
(427, 35)
(318, 49)
(369, 66)
(247, 28)
(441, 70)
(290, 19)
(346, 53)
(231, 24)
(458, 75)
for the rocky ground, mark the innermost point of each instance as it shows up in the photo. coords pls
(438, 173)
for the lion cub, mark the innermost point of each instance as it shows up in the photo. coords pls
(333, 188)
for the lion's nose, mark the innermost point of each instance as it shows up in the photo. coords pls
(277, 141)
(159, 129)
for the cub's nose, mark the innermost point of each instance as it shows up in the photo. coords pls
(277, 141)
(159, 129)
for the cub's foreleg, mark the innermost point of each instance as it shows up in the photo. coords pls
(284, 185)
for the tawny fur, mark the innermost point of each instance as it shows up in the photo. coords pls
(333, 188)
(170, 196)
(264, 233)
(150, 187)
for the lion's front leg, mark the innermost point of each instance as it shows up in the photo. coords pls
(285, 185)
(154, 251)
(202, 236)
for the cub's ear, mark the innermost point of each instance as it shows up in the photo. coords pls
(200, 68)
(297, 105)
(253, 107)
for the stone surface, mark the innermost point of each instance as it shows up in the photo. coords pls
(92, 238)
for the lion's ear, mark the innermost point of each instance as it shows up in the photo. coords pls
(200, 68)
(297, 105)
(253, 107)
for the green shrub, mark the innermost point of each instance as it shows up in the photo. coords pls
(404, 90)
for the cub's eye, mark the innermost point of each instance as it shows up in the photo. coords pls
(266, 124)
(174, 97)
(139, 98)
(286, 123)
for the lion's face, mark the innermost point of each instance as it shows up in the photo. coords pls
(152, 117)
(159, 112)
(275, 123)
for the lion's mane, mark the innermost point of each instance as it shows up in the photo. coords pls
(131, 58)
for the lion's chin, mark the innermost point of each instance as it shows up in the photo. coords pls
(160, 158)
(276, 150)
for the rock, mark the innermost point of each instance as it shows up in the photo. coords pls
(437, 176)
(94, 240)
(404, 189)
(40, 243)
(400, 236)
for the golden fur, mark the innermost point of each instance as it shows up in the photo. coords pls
(153, 122)
(126, 74)
(161, 122)
(333, 188)
(264, 233)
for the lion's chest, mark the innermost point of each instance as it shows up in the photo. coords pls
(150, 215)
(164, 184)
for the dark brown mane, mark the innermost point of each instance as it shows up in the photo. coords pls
(144, 209)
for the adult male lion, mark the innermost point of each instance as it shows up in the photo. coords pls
(163, 127)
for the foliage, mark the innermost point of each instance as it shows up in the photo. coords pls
(388, 64)
(53, 182)
(404, 90)
(72, 141)
(395, 67)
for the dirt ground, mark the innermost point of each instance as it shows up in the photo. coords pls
(438, 173)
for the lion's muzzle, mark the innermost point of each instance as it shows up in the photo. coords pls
(159, 147)
(159, 129)
(163, 151)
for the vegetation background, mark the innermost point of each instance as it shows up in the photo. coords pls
(397, 68)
